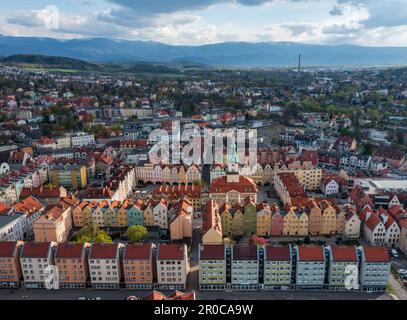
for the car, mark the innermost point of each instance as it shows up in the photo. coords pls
(394, 253)
(401, 271)
(82, 298)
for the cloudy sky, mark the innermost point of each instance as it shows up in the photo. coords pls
(194, 22)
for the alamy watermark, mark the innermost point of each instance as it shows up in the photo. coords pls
(203, 146)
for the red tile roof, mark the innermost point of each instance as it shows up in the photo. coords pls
(344, 254)
(245, 185)
(36, 250)
(70, 250)
(8, 249)
(244, 252)
(138, 251)
(376, 254)
(278, 253)
(170, 252)
(311, 253)
(212, 252)
(104, 251)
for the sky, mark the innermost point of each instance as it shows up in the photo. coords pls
(196, 22)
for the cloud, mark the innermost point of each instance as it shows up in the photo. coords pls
(335, 11)
(382, 13)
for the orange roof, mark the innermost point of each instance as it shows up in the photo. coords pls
(376, 254)
(221, 185)
(70, 250)
(36, 250)
(103, 251)
(311, 253)
(137, 251)
(344, 253)
(170, 252)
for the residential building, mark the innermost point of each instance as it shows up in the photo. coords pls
(310, 268)
(10, 268)
(212, 266)
(245, 267)
(374, 268)
(138, 266)
(277, 267)
(172, 266)
(104, 265)
(343, 268)
(72, 263)
(211, 224)
(37, 261)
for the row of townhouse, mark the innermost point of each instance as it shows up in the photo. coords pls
(77, 139)
(317, 217)
(175, 216)
(99, 266)
(30, 176)
(379, 227)
(350, 160)
(16, 222)
(121, 180)
(166, 173)
(250, 268)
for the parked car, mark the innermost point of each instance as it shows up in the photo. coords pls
(394, 253)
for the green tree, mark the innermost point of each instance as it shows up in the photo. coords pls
(137, 233)
(103, 237)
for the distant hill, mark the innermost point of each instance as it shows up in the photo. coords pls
(103, 50)
(49, 62)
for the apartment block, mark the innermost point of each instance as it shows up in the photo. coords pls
(277, 267)
(138, 266)
(72, 264)
(10, 268)
(212, 266)
(310, 268)
(245, 267)
(374, 268)
(172, 266)
(104, 265)
(343, 268)
(35, 259)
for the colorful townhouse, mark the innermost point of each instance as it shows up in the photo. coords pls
(211, 224)
(172, 266)
(181, 220)
(10, 267)
(245, 267)
(328, 223)
(138, 266)
(250, 216)
(212, 267)
(263, 219)
(160, 214)
(226, 219)
(134, 212)
(343, 268)
(104, 265)
(310, 268)
(277, 221)
(374, 268)
(72, 263)
(35, 259)
(277, 267)
(352, 223)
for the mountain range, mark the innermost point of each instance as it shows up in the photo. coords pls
(243, 54)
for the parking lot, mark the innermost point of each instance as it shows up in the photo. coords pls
(400, 267)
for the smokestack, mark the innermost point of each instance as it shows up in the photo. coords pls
(299, 63)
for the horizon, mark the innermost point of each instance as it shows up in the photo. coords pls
(207, 44)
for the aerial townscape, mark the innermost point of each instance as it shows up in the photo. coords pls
(88, 213)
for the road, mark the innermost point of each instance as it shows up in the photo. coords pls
(399, 290)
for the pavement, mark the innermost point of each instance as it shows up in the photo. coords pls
(399, 290)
